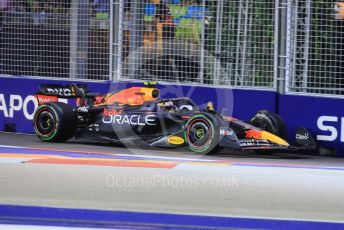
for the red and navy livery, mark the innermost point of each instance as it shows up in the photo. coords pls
(138, 117)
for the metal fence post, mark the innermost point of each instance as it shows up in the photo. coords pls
(283, 79)
(73, 38)
(276, 45)
(201, 73)
(218, 41)
(238, 80)
(306, 46)
(116, 18)
(80, 25)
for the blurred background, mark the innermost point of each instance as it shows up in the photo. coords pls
(279, 45)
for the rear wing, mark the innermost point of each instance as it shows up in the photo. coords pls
(68, 91)
(52, 93)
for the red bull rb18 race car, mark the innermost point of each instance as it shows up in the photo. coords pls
(137, 116)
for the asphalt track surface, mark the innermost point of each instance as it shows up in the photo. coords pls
(287, 186)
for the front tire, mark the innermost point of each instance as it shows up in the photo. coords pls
(270, 122)
(54, 122)
(200, 134)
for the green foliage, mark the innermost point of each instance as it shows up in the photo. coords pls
(325, 44)
(258, 39)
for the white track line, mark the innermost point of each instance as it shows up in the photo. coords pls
(118, 154)
(13, 147)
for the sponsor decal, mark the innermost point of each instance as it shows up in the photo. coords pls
(130, 119)
(252, 142)
(175, 140)
(247, 142)
(145, 108)
(45, 98)
(304, 136)
(329, 124)
(111, 112)
(83, 109)
(60, 91)
(16, 104)
(94, 127)
(226, 132)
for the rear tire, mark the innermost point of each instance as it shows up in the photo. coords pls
(54, 122)
(201, 134)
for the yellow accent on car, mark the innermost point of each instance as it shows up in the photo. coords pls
(273, 138)
(210, 106)
(175, 140)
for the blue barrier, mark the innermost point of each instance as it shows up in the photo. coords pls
(323, 117)
(17, 102)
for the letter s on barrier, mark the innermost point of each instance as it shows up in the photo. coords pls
(328, 128)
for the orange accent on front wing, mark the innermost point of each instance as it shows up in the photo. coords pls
(264, 135)
(254, 134)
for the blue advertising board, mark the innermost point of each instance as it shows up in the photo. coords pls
(323, 117)
(17, 101)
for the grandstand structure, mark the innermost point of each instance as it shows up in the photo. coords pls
(289, 46)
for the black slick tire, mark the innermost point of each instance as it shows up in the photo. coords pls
(54, 122)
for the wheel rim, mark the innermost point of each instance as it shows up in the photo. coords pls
(45, 122)
(199, 134)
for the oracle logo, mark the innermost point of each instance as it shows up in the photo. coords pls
(130, 119)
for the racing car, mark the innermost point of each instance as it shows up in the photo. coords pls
(138, 116)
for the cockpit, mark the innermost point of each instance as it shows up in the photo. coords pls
(176, 105)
